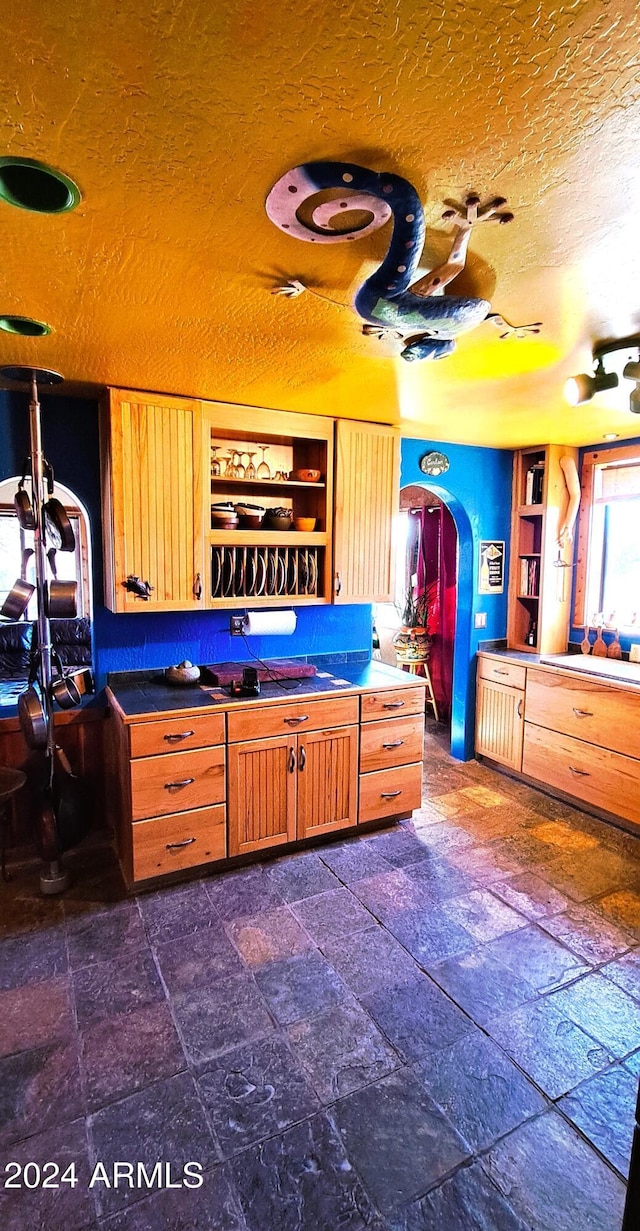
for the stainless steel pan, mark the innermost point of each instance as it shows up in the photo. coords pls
(59, 529)
(60, 599)
(19, 597)
(22, 503)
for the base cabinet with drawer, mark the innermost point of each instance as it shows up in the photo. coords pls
(169, 806)
(577, 734)
(391, 735)
(500, 711)
(202, 788)
(285, 787)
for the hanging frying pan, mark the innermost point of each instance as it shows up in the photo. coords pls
(31, 712)
(17, 601)
(59, 529)
(22, 502)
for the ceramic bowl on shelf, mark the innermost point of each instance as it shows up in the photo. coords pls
(305, 524)
(250, 510)
(305, 476)
(223, 519)
(277, 519)
(250, 521)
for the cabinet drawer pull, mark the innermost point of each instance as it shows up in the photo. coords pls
(176, 846)
(582, 713)
(393, 705)
(582, 773)
(177, 786)
(302, 758)
(520, 708)
(292, 760)
(293, 721)
(173, 739)
(396, 744)
(499, 671)
(389, 794)
(197, 586)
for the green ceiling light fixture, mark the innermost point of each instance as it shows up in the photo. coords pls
(35, 186)
(25, 326)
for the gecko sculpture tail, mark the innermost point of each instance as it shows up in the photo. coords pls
(427, 320)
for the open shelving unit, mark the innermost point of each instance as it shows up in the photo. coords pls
(539, 592)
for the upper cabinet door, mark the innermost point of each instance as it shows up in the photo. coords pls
(152, 502)
(366, 503)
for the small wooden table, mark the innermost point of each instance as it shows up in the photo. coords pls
(420, 666)
(11, 781)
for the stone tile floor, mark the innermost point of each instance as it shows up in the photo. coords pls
(432, 1027)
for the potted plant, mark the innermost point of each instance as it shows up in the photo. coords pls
(412, 641)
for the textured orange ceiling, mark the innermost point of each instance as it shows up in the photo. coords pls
(176, 118)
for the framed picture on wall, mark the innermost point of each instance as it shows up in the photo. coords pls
(491, 570)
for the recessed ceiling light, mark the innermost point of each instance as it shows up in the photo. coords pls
(25, 326)
(33, 185)
(610, 436)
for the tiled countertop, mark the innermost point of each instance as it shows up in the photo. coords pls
(151, 696)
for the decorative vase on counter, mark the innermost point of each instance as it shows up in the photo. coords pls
(412, 645)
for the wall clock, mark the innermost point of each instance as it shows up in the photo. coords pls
(434, 463)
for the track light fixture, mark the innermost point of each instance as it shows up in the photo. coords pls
(582, 388)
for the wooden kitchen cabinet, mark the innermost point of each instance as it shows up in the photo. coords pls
(500, 722)
(539, 588)
(391, 738)
(366, 507)
(151, 458)
(291, 786)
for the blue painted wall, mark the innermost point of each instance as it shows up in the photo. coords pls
(608, 452)
(477, 490)
(128, 642)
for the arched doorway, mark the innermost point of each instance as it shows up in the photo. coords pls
(460, 667)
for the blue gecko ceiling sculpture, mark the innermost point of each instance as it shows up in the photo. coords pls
(389, 302)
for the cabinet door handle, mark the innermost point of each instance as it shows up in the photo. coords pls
(338, 583)
(173, 739)
(499, 671)
(582, 713)
(292, 760)
(520, 708)
(302, 758)
(292, 721)
(177, 786)
(582, 773)
(197, 586)
(396, 744)
(393, 705)
(176, 846)
(389, 794)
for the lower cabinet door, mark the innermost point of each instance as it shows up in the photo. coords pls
(166, 844)
(327, 780)
(500, 723)
(261, 793)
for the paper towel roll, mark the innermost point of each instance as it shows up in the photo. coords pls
(269, 623)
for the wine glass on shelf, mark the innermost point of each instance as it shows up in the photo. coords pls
(215, 464)
(250, 471)
(239, 468)
(263, 471)
(229, 469)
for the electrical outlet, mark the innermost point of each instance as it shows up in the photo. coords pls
(236, 626)
(634, 653)
(480, 619)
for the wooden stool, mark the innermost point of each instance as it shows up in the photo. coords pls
(11, 780)
(414, 669)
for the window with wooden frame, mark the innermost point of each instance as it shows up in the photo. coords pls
(608, 555)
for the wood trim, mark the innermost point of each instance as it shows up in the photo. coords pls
(590, 462)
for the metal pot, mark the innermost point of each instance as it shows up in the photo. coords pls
(59, 529)
(70, 687)
(60, 599)
(17, 601)
(32, 717)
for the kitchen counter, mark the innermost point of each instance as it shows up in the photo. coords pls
(614, 671)
(147, 698)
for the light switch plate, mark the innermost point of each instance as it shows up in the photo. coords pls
(634, 653)
(480, 619)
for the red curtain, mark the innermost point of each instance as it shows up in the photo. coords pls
(434, 539)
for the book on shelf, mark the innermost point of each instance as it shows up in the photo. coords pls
(534, 483)
(529, 576)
